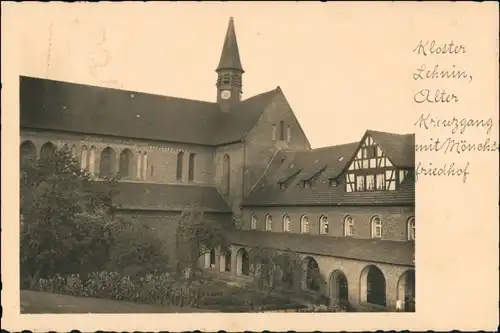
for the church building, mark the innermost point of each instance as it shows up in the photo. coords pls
(348, 210)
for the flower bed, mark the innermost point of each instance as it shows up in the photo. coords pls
(150, 289)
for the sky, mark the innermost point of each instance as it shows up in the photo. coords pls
(341, 70)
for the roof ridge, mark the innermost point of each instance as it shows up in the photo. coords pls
(116, 89)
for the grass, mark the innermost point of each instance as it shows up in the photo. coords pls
(42, 302)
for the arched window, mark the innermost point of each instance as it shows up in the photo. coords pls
(92, 154)
(226, 174)
(323, 224)
(48, 150)
(126, 160)
(376, 227)
(144, 169)
(242, 262)
(180, 163)
(411, 228)
(84, 158)
(288, 134)
(348, 226)
(27, 153)
(274, 134)
(286, 223)
(312, 274)
(253, 222)
(304, 224)
(373, 286)
(106, 167)
(192, 158)
(269, 222)
(282, 130)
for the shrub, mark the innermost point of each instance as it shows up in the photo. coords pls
(150, 289)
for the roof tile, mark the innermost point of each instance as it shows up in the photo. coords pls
(372, 250)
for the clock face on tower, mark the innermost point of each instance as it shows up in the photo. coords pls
(225, 94)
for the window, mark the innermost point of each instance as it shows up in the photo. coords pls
(286, 223)
(381, 182)
(282, 130)
(333, 182)
(180, 161)
(27, 153)
(306, 184)
(191, 166)
(73, 151)
(411, 228)
(282, 186)
(370, 182)
(348, 226)
(48, 150)
(107, 165)
(376, 227)
(304, 224)
(269, 222)
(84, 158)
(253, 222)
(226, 174)
(152, 172)
(126, 160)
(360, 183)
(288, 134)
(274, 134)
(323, 224)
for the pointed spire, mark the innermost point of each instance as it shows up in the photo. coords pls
(230, 57)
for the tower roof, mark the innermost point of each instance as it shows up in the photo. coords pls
(230, 57)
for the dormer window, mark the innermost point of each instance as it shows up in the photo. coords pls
(333, 182)
(306, 184)
(282, 186)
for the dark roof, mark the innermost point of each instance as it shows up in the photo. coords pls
(63, 106)
(334, 160)
(399, 148)
(167, 197)
(373, 250)
(230, 57)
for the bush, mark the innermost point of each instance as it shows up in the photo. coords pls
(151, 289)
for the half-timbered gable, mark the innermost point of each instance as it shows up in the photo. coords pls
(372, 168)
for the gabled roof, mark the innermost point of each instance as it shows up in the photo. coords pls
(168, 197)
(336, 159)
(372, 250)
(230, 57)
(63, 106)
(399, 148)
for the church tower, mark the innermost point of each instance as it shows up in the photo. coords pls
(229, 71)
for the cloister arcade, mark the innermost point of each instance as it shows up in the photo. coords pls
(381, 287)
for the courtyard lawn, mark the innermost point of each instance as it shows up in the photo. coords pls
(42, 302)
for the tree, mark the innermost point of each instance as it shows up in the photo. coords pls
(275, 269)
(197, 235)
(137, 250)
(67, 218)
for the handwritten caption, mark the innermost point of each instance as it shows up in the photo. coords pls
(454, 141)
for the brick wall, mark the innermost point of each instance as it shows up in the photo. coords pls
(394, 219)
(259, 146)
(161, 160)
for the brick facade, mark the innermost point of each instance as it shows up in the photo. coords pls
(394, 219)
